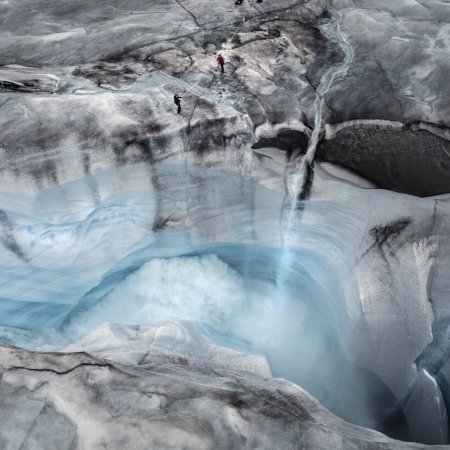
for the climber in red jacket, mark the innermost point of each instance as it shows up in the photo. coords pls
(221, 61)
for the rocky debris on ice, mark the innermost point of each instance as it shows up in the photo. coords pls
(398, 73)
(24, 79)
(273, 66)
(403, 159)
(119, 71)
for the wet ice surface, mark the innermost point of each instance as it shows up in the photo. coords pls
(169, 398)
(209, 249)
(168, 245)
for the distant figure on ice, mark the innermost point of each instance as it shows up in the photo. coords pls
(238, 2)
(221, 61)
(177, 100)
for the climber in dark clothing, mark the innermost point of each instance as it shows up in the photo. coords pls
(238, 2)
(221, 61)
(177, 100)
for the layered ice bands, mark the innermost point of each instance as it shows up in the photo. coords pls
(145, 249)
(193, 280)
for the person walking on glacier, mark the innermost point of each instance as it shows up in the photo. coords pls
(177, 101)
(221, 61)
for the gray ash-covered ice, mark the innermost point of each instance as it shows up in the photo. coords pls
(399, 74)
(147, 266)
(181, 391)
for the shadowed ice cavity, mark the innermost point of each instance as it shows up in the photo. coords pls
(143, 249)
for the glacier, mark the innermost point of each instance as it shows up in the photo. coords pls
(267, 270)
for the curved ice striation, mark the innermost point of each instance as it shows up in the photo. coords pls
(141, 250)
(89, 263)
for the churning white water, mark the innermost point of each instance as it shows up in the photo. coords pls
(114, 248)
